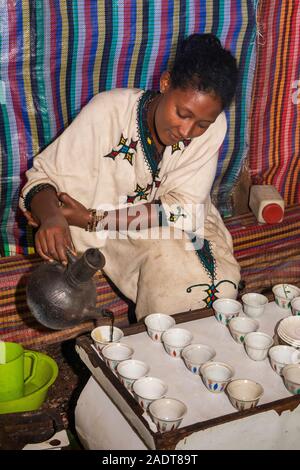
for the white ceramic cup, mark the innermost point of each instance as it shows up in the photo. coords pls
(114, 353)
(257, 345)
(284, 294)
(281, 355)
(226, 309)
(131, 370)
(254, 304)
(295, 305)
(195, 355)
(216, 376)
(102, 336)
(244, 394)
(240, 326)
(175, 340)
(291, 377)
(157, 323)
(167, 413)
(148, 389)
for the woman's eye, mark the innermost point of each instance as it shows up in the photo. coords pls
(182, 116)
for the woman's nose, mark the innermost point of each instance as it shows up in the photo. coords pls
(185, 130)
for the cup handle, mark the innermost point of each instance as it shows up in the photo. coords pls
(34, 361)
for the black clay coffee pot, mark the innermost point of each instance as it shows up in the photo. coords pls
(61, 297)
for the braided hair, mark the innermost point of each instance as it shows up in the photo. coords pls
(203, 64)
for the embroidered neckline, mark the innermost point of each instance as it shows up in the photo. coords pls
(150, 152)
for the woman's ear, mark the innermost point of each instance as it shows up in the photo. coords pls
(165, 82)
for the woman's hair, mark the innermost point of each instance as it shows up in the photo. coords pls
(203, 64)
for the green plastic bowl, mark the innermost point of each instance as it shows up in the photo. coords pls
(36, 389)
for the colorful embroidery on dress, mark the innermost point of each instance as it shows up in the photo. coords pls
(174, 217)
(124, 150)
(177, 146)
(208, 261)
(141, 193)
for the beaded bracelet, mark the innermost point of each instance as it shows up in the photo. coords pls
(36, 189)
(95, 218)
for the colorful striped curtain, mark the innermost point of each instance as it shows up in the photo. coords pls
(57, 54)
(275, 115)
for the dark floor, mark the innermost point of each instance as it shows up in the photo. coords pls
(72, 377)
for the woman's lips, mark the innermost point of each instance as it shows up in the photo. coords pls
(174, 137)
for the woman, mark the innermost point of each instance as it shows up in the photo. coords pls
(146, 162)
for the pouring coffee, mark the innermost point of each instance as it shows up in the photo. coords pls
(60, 297)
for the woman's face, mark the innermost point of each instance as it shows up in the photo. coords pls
(184, 113)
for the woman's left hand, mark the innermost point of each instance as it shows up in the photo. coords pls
(30, 219)
(75, 212)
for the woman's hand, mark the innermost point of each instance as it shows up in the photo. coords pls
(30, 219)
(53, 239)
(74, 212)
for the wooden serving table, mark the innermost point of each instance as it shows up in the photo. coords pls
(211, 421)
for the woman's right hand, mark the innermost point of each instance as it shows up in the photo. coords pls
(53, 238)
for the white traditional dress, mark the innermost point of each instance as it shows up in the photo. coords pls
(106, 159)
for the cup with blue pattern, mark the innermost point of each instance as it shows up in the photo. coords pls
(216, 376)
(195, 355)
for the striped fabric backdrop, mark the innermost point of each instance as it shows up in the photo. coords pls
(57, 54)
(275, 114)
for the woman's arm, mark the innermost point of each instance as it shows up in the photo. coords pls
(53, 236)
(138, 217)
